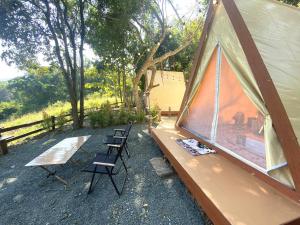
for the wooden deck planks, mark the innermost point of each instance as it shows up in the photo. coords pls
(228, 194)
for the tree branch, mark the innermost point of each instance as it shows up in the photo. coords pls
(171, 53)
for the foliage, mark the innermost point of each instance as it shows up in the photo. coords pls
(8, 109)
(292, 2)
(41, 87)
(103, 117)
(47, 121)
(123, 116)
(106, 116)
(139, 33)
(92, 101)
(61, 119)
(5, 94)
(54, 28)
(140, 117)
(154, 112)
(102, 80)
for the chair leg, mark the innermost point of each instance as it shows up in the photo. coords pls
(123, 163)
(92, 180)
(126, 150)
(109, 151)
(113, 182)
(91, 184)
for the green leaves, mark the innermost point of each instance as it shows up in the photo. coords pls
(41, 87)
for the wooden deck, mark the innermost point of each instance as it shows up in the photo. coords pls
(227, 193)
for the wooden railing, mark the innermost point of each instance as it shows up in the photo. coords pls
(4, 140)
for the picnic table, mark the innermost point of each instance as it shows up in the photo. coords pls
(59, 154)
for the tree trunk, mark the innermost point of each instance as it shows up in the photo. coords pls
(74, 112)
(124, 87)
(81, 97)
(136, 96)
(119, 85)
(82, 37)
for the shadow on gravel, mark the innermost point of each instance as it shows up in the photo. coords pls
(28, 197)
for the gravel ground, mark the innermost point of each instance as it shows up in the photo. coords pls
(28, 197)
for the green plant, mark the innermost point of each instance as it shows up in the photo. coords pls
(103, 117)
(8, 109)
(106, 115)
(61, 119)
(154, 111)
(123, 116)
(140, 117)
(93, 119)
(47, 121)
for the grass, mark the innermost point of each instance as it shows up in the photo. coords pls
(91, 101)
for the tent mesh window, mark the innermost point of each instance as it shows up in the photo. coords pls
(222, 114)
(200, 115)
(240, 124)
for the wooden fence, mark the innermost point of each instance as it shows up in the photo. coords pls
(4, 140)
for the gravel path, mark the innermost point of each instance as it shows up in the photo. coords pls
(28, 197)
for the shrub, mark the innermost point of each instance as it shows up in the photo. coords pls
(131, 117)
(47, 121)
(93, 118)
(140, 117)
(107, 117)
(154, 113)
(103, 117)
(124, 116)
(7, 109)
(61, 119)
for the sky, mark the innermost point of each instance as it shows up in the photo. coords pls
(185, 8)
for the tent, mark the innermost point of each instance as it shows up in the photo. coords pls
(243, 97)
(168, 91)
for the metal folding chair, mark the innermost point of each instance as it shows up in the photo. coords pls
(118, 136)
(107, 164)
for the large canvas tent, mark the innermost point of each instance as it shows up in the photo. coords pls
(168, 91)
(243, 100)
(243, 96)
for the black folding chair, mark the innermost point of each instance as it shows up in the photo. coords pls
(118, 136)
(107, 164)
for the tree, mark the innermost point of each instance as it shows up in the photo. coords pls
(55, 28)
(40, 87)
(292, 2)
(139, 28)
(5, 95)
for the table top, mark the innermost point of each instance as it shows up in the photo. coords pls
(59, 153)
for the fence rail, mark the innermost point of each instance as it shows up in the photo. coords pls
(4, 140)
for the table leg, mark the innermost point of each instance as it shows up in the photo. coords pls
(50, 173)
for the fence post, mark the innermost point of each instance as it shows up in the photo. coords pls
(3, 145)
(53, 122)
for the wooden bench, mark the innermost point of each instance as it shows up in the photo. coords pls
(59, 154)
(227, 193)
(3, 143)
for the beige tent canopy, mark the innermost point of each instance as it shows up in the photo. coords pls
(168, 91)
(244, 91)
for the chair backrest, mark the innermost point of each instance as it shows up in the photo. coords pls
(127, 129)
